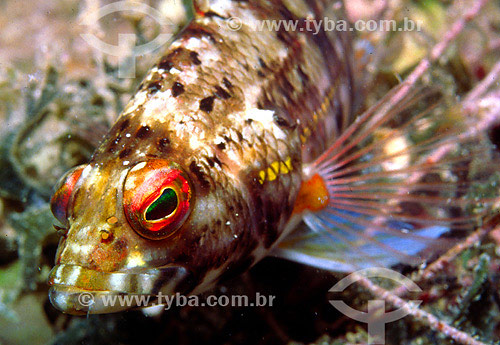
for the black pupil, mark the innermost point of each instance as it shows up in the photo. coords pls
(163, 206)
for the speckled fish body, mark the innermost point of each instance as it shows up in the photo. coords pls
(237, 115)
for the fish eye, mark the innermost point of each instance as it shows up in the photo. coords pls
(164, 206)
(157, 198)
(61, 200)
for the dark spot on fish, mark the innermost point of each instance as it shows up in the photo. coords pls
(194, 58)
(286, 13)
(262, 63)
(113, 143)
(163, 144)
(285, 37)
(217, 161)
(154, 87)
(239, 205)
(143, 132)
(124, 124)
(200, 175)
(227, 83)
(265, 102)
(125, 153)
(221, 146)
(286, 84)
(207, 104)
(282, 122)
(221, 93)
(213, 160)
(210, 162)
(248, 121)
(177, 89)
(304, 78)
(167, 62)
(240, 136)
(494, 135)
(263, 67)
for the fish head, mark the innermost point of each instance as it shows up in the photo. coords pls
(115, 234)
(142, 229)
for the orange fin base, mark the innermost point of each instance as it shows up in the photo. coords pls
(313, 195)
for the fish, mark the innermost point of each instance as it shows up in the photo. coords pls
(243, 143)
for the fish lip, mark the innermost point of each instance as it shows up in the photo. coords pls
(77, 301)
(78, 290)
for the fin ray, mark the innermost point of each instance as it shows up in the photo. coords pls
(397, 181)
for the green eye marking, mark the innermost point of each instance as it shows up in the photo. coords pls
(164, 206)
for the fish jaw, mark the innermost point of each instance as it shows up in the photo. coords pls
(78, 290)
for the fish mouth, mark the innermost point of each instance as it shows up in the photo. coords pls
(78, 290)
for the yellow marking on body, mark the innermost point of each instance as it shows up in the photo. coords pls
(283, 168)
(271, 175)
(276, 166)
(275, 169)
(262, 176)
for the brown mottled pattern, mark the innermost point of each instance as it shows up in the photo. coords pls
(207, 107)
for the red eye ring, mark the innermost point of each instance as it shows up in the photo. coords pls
(156, 198)
(60, 202)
